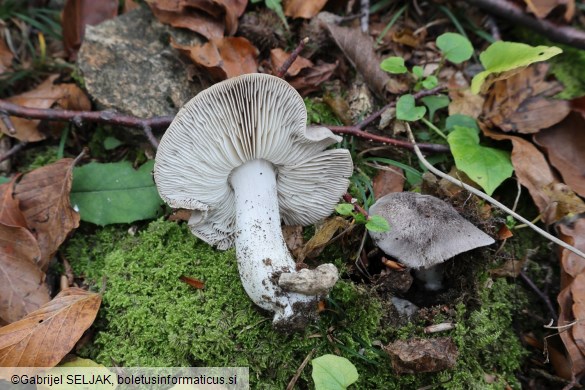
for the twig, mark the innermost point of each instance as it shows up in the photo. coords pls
(512, 12)
(8, 123)
(295, 378)
(348, 198)
(13, 150)
(293, 56)
(365, 15)
(542, 295)
(494, 29)
(488, 198)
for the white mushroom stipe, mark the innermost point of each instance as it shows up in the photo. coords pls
(424, 232)
(240, 156)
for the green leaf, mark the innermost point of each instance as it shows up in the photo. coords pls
(394, 65)
(461, 120)
(276, 6)
(4, 179)
(455, 47)
(487, 167)
(111, 143)
(344, 209)
(503, 56)
(359, 218)
(435, 103)
(377, 223)
(332, 372)
(430, 82)
(115, 193)
(417, 71)
(406, 109)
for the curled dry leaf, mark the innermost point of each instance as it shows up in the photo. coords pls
(79, 13)
(322, 237)
(422, 355)
(223, 57)
(522, 102)
(358, 48)
(564, 144)
(309, 79)
(209, 18)
(10, 214)
(45, 336)
(44, 200)
(303, 8)
(22, 287)
(46, 95)
(554, 200)
(388, 180)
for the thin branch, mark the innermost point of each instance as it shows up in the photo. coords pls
(488, 198)
(8, 123)
(510, 11)
(542, 295)
(289, 61)
(15, 149)
(299, 371)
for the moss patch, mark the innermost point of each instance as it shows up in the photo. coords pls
(150, 318)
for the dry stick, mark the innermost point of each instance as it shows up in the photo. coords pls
(488, 198)
(509, 10)
(295, 378)
(77, 117)
(289, 61)
(15, 149)
(541, 294)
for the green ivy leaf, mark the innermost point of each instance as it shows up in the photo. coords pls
(332, 372)
(417, 71)
(434, 103)
(394, 65)
(115, 193)
(488, 167)
(455, 47)
(378, 224)
(406, 109)
(344, 209)
(503, 56)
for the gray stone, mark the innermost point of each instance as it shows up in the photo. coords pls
(129, 66)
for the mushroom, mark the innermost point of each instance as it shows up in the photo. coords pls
(424, 232)
(240, 156)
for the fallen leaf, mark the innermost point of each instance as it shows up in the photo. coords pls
(195, 283)
(405, 36)
(388, 180)
(572, 233)
(510, 269)
(293, 237)
(209, 18)
(79, 13)
(302, 8)
(6, 56)
(22, 287)
(223, 57)
(44, 200)
(45, 336)
(541, 8)
(564, 145)
(358, 48)
(338, 104)
(577, 357)
(422, 355)
(10, 214)
(278, 57)
(523, 103)
(309, 79)
(463, 101)
(46, 95)
(578, 294)
(323, 235)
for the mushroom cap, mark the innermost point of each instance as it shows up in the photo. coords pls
(424, 230)
(254, 116)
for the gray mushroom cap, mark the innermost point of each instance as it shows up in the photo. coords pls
(254, 116)
(424, 230)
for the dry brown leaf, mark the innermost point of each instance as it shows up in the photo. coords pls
(79, 13)
(554, 199)
(577, 357)
(278, 57)
(209, 18)
(405, 36)
(223, 57)
(541, 8)
(422, 355)
(578, 294)
(6, 57)
(45, 336)
(44, 200)
(358, 48)
(523, 102)
(46, 95)
(293, 237)
(303, 8)
(387, 181)
(564, 144)
(323, 235)
(195, 283)
(573, 234)
(309, 79)
(10, 214)
(463, 101)
(510, 269)
(22, 287)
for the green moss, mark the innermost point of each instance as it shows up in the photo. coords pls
(37, 157)
(319, 112)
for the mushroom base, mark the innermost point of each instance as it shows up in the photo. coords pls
(260, 248)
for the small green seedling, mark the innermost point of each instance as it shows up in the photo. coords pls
(331, 372)
(374, 223)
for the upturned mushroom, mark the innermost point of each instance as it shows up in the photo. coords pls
(240, 156)
(424, 232)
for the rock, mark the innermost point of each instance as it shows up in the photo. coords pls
(129, 66)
